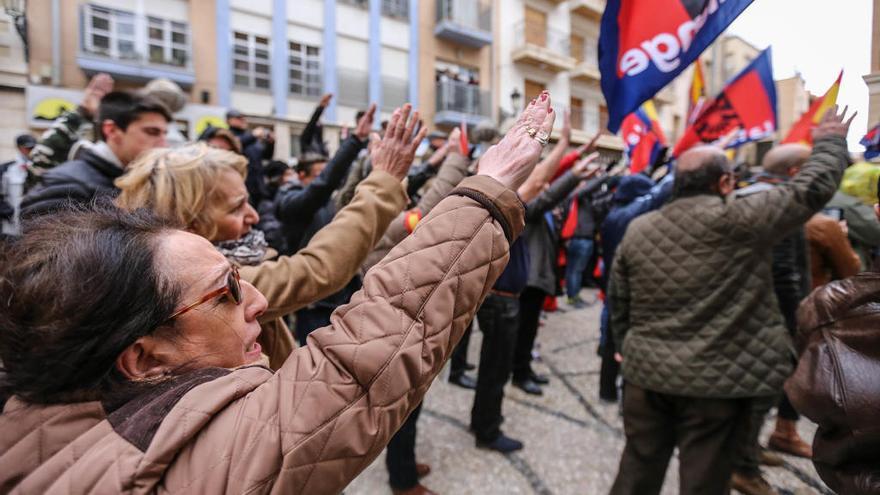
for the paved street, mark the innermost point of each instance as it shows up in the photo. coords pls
(573, 441)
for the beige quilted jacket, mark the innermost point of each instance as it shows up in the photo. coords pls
(312, 426)
(327, 263)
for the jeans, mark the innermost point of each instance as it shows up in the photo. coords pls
(310, 319)
(498, 321)
(401, 456)
(580, 250)
(704, 430)
(530, 303)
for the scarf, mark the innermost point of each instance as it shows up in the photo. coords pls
(249, 250)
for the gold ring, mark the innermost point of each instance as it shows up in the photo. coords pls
(543, 137)
(531, 131)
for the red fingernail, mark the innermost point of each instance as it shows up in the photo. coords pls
(543, 96)
(551, 111)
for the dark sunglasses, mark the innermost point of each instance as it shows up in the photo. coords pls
(232, 287)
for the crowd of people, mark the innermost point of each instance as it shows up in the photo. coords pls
(202, 317)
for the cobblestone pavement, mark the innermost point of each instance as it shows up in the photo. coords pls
(572, 440)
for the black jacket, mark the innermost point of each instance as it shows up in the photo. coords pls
(297, 205)
(83, 180)
(255, 150)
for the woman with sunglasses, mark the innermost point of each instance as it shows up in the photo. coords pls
(129, 348)
(202, 190)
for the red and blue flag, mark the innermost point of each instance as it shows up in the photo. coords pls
(871, 142)
(643, 137)
(645, 44)
(747, 103)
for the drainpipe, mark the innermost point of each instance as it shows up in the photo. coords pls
(56, 42)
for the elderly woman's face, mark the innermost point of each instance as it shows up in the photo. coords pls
(218, 332)
(230, 210)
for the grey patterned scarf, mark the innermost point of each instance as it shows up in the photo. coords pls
(249, 250)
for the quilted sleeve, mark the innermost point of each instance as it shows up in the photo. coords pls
(334, 405)
(773, 214)
(334, 254)
(453, 171)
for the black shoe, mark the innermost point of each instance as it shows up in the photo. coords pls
(503, 444)
(470, 367)
(463, 381)
(528, 386)
(539, 379)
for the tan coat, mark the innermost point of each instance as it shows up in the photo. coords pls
(312, 426)
(327, 263)
(831, 255)
(453, 171)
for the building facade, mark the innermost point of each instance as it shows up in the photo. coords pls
(13, 81)
(873, 79)
(271, 59)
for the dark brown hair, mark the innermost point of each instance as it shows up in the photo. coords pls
(76, 289)
(123, 108)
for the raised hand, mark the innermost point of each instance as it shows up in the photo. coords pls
(584, 168)
(566, 125)
(98, 86)
(365, 124)
(452, 142)
(834, 124)
(511, 160)
(325, 100)
(395, 153)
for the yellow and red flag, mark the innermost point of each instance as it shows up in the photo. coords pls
(801, 132)
(697, 97)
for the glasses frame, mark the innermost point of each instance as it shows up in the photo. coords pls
(232, 287)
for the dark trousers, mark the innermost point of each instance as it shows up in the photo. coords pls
(610, 367)
(748, 451)
(498, 319)
(458, 361)
(704, 430)
(310, 319)
(400, 458)
(530, 303)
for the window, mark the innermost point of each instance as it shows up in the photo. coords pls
(109, 32)
(250, 61)
(113, 33)
(364, 4)
(167, 41)
(305, 69)
(396, 8)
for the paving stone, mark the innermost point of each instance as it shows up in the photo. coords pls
(572, 439)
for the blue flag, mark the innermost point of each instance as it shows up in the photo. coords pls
(645, 44)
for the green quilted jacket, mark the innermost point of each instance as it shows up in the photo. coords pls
(692, 305)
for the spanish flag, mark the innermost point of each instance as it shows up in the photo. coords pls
(698, 92)
(801, 132)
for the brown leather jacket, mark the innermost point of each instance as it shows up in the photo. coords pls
(837, 381)
(831, 255)
(313, 425)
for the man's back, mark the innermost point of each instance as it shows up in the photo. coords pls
(76, 181)
(692, 287)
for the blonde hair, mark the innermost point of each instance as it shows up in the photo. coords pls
(179, 184)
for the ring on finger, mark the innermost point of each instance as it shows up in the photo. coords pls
(542, 137)
(531, 131)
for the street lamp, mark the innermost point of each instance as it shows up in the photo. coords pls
(515, 98)
(17, 10)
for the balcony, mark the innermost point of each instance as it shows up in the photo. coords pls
(466, 22)
(543, 47)
(354, 88)
(457, 101)
(588, 8)
(132, 47)
(586, 71)
(586, 122)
